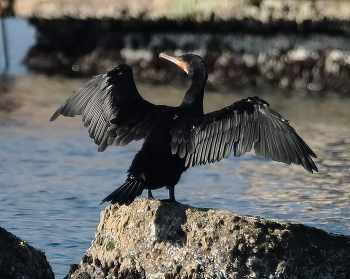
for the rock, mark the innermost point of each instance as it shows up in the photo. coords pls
(151, 239)
(19, 260)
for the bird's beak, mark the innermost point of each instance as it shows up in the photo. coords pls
(175, 60)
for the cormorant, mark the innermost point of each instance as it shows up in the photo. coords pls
(177, 138)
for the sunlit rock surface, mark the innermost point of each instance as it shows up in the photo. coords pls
(19, 260)
(262, 10)
(151, 239)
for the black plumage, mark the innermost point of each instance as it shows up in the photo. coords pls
(177, 138)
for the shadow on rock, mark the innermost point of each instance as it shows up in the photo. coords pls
(168, 223)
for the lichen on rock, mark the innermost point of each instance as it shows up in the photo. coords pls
(152, 239)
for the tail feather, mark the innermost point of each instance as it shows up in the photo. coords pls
(126, 193)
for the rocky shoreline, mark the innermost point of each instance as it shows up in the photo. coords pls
(151, 239)
(301, 45)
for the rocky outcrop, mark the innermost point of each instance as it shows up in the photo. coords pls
(151, 239)
(295, 60)
(19, 260)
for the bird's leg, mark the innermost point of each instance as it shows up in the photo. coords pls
(150, 196)
(171, 195)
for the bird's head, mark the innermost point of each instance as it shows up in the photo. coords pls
(193, 65)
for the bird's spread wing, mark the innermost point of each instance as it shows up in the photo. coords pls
(112, 109)
(246, 123)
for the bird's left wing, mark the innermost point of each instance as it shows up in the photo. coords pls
(112, 109)
(246, 123)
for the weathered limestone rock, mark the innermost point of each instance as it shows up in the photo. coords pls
(151, 239)
(19, 260)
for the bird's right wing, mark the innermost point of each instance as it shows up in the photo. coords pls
(112, 109)
(238, 128)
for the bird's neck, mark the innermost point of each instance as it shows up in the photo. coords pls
(194, 96)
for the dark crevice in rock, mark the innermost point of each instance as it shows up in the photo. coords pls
(168, 224)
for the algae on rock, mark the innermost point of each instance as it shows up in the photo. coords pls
(151, 239)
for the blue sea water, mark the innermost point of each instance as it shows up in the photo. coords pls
(53, 178)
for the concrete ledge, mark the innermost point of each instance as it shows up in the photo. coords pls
(151, 239)
(204, 10)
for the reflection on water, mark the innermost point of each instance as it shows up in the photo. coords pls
(19, 36)
(53, 178)
(7, 102)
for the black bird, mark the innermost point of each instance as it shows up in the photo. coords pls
(177, 138)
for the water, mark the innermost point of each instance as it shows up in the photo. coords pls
(53, 178)
(20, 35)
